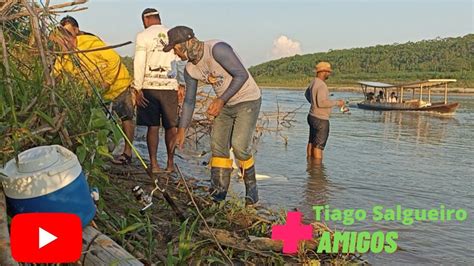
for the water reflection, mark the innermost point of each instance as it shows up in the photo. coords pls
(381, 158)
(422, 128)
(316, 191)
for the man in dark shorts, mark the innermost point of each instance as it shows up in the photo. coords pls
(318, 117)
(156, 87)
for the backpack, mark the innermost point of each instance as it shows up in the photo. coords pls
(307, 92)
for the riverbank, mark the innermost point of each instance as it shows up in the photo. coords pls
(226, 233)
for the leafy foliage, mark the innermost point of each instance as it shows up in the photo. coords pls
(28, 117)
(128, 62)
(438, 58)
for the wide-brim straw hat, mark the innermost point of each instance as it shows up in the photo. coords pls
(323, 66)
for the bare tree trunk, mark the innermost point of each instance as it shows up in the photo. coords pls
(6, 64)
(35, 26)
(5, 254)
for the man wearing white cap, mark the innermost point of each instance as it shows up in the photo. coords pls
(156, 86)
(318, 117)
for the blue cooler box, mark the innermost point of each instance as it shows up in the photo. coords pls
(47, 179)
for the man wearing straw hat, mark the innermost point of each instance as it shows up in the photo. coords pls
(318, 117)
(235, 109)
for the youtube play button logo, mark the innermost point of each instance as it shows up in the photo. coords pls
(46, 237)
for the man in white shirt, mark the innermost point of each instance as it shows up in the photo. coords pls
(156, 87)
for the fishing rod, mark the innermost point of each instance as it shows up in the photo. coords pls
(169, 200)
(147, 169)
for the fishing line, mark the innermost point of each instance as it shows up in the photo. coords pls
(76, 61)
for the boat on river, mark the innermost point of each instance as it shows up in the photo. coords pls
(392, 97)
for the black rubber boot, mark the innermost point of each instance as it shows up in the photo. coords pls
(220, 180)
(251, 191)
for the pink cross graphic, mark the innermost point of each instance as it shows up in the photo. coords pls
(292, 232)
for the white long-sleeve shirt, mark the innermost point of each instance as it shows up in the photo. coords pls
(152, 67)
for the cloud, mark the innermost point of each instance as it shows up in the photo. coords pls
(284, 47)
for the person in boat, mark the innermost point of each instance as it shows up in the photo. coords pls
(235, 109)
(380, 96)
(370, 96)
(156, 84)
(320, 111)
(103, 68)
(392, 98)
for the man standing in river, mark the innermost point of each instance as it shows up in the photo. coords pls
(235, 109)
(318, 117)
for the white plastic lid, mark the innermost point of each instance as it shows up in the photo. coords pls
(37, 159)
(40, 171)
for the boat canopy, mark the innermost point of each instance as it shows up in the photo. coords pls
(427, 83)
(424, 84)
(375, 84)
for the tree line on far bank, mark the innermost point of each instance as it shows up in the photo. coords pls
(397, 63)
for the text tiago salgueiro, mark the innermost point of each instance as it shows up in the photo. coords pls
(378, 241)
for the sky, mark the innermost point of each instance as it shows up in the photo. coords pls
(262, 30)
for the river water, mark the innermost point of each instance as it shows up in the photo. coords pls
(372, 158)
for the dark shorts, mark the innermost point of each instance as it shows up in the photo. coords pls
(162, 109)
(318, 132)
(122, 105)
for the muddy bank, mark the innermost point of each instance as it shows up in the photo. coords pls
(227, 232)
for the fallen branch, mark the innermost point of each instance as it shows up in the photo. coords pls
(69, 10)
(92, 50)
(228, 240)
(46, 11)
